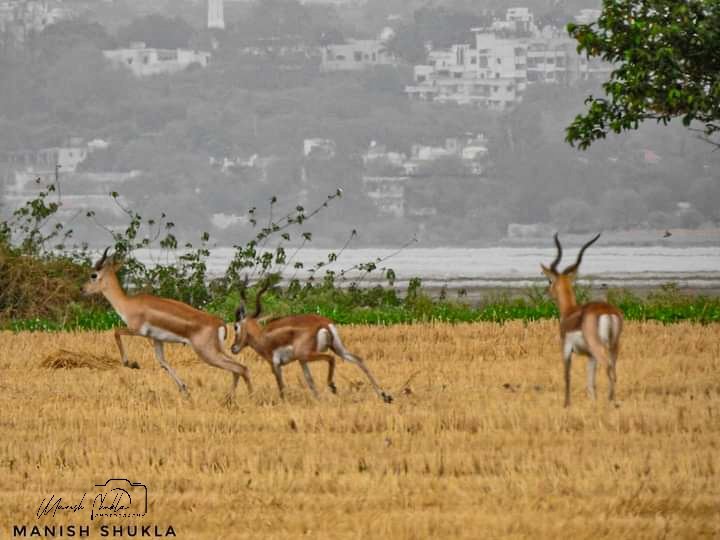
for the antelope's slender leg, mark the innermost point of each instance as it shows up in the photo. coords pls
(612, 374)
(276, 363)
(567, 364)
(331, 375)
(591, 369)
(330, 359)
(597, 348)
(160, 355)
(123, 355)
(339, 348)
(215, 357)
(277, 371)
(309, 378)
(387, 398)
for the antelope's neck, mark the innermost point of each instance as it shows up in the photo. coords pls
(566, 301)
(257, 338)
(116, 296)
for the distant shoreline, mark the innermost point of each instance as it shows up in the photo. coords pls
(497, 268)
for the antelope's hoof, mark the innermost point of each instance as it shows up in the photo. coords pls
(132, 365)
(387, 398)
(332, 387)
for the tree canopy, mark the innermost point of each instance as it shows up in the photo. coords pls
(440, 26)
(666, 62)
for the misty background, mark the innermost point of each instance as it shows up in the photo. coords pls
(204, 110)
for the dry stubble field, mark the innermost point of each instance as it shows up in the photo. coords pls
(476, 446)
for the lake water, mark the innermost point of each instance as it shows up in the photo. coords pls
(696, 267)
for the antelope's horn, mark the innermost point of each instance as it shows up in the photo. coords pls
(258, 305)
(99, 264)
(243, 289)
(553, 266)
(574, 267)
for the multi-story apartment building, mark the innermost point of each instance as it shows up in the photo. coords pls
(492, 74)
(495, 71)
(550, 60)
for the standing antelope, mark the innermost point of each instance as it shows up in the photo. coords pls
(164, 321)
(304, 338)
(592, 329)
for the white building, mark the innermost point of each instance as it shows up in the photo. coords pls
(587, 16)
(387, 193)
(216, 17)
(518, 20)
(490, 75)
(356, 55)
(319, 148)
(494, 72)
(44, 160)
(471, 149)
(378, 153)
(144, 61)
(388, 178)
(550, 60)
(80, 191)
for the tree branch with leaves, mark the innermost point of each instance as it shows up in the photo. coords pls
(666, 65)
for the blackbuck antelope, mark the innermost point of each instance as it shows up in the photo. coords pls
(304, 338)
(164, 321)
(592, 329)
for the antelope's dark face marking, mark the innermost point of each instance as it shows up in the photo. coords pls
(241, 334)
(557, 282)
(96, 281)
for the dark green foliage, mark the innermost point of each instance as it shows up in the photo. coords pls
(667, 66)
(156, 31)
(384, 306)
(441, 26)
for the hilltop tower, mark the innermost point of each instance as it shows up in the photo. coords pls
(216, 17)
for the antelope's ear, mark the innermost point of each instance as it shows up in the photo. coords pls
(548, 273)
(572, 274)
(115, 262)
(240, 314)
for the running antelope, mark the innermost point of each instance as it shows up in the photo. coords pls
(592, 329)
(304, 338)
(164, 321)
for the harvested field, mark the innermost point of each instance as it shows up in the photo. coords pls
(477, 444)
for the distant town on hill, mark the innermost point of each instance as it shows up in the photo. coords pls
(445, 123)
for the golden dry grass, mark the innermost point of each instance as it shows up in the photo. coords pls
(478, 446)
